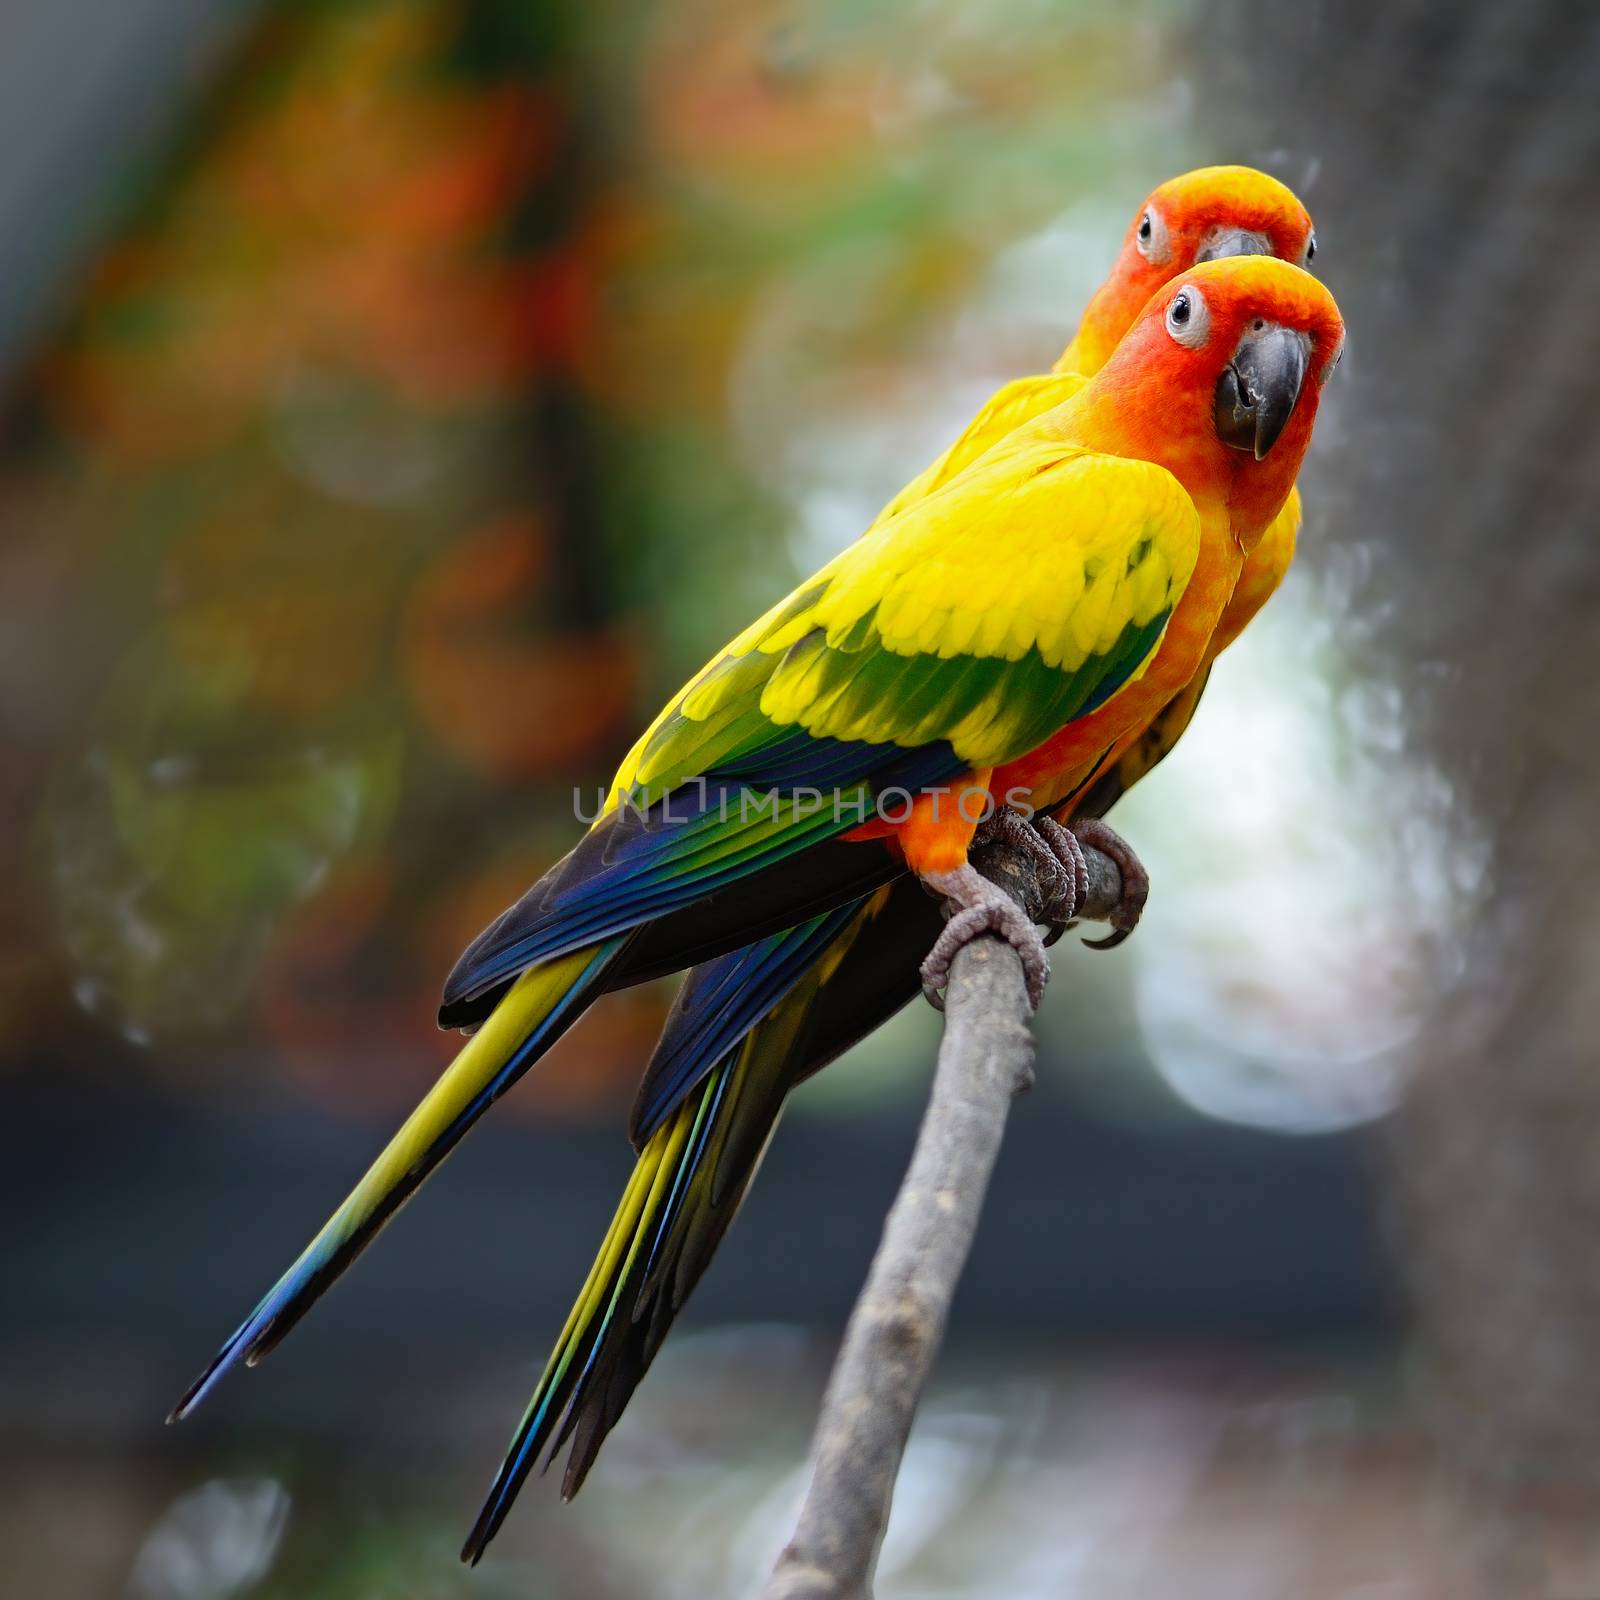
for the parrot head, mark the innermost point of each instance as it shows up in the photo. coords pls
(1219, 379)
(1204, 215)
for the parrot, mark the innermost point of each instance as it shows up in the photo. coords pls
(992, 639)
(830, 983)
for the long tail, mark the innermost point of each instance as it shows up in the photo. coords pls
(748, 1027)
(689, 1182)
(535, 1012)
(708, 1105)
(724, 1000)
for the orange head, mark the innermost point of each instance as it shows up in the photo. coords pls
(1203, 216)
(1218, 380)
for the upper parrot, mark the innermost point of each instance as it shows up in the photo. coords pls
(994, 638)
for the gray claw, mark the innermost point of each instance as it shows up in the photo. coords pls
(1135, 880)
(982, 908)
(1063, 845)
(1009, 827)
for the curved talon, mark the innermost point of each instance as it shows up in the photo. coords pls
(983, 908)
(1135, 880)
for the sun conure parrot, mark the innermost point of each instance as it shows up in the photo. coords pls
(992, 639)
(752, 1025)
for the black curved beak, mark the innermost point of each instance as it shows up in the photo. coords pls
(1257, 391)
(1224, 242)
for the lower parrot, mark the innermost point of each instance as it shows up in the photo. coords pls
(993, 639)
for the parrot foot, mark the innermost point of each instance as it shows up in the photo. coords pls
(1135, 880)
(981, 907)
(1057, 882)
(1063, 845)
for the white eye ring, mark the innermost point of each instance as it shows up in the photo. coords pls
(1152, 238)
(1189, 318)
(1310, 252)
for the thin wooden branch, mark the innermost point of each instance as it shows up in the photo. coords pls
(894, 1332)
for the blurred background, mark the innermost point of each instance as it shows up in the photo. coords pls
(400, 398)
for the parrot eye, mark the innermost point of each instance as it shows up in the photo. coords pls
(1152, 239)
(1189, 318)
(1311, 249)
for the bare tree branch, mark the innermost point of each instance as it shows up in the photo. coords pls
(894, 1332)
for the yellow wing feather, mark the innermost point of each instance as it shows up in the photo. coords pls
(1072, 546)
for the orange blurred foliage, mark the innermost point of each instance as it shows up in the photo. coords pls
(506, 701)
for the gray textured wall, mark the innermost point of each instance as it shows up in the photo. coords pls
(1458, 147)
